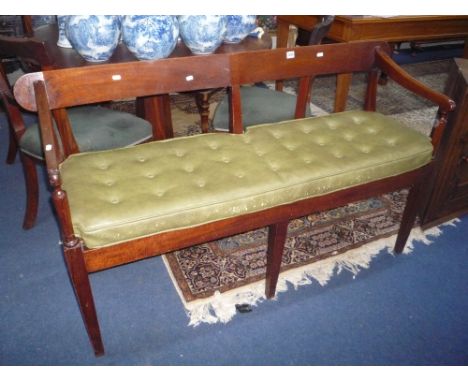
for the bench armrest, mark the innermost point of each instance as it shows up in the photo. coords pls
(396, 73)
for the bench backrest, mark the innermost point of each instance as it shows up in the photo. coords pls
(54, 90)
(90, 84)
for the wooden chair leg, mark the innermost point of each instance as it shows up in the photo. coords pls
(412, 209)
(32, 191)
(12, 149)
(80, 280)
(203, 105)
(276, 238)
(202, 100)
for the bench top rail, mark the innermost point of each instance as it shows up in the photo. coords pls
(91, 84)
(316, 60)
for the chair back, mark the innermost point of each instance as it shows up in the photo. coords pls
(31, 52)
(320, 30)
(33, 56)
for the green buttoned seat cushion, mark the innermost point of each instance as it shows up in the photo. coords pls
(95, 128)
(259, 105)
(123, 194)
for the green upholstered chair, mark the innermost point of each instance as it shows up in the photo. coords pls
(259, 105)
(264, 105)
(94, 127)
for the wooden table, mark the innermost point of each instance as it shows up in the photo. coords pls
(390, 29)
(156, 109)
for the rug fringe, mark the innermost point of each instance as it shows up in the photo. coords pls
(221, 307)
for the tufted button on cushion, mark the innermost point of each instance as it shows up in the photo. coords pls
(137, 206)
(95, 128)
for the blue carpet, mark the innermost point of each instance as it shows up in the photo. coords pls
(405, 310)
(438, 52)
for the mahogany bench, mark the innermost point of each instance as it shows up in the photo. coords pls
(123, 205)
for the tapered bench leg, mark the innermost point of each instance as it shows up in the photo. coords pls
(276, 238)
(80, 281)
(412, 208)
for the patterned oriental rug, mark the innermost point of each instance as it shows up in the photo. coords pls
(240, 260)
(217, 279)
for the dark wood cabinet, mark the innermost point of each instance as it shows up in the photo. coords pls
(449, 194)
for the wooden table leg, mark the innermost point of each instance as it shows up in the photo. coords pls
(202, 100)
(157, 111)
(343, 82)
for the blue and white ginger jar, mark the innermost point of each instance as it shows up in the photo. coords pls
(94, 37)
(238, 27)
(150, 37)
(201, 33)
(62, 34)
(41, 20)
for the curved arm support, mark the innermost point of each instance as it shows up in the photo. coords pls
(400, 76)
(396, 73)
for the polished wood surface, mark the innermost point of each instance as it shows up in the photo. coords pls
(69, 58)
(62, 88)
(391, 29)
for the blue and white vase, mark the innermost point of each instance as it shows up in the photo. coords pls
(62, 35)
(94, 37)
(238, 27)
(202, 34)
(41, 20)
(150, 37)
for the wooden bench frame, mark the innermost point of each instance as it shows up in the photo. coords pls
(51, 90)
